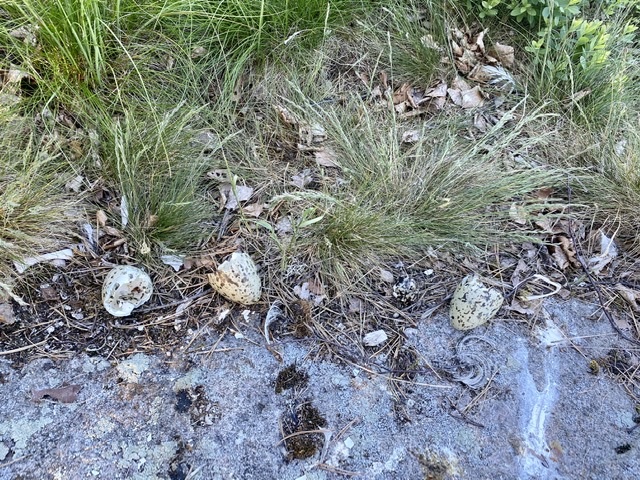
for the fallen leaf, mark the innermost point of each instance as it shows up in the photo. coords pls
(373, 339)
(53, 257)
(101, 218)
(608, 251)
(174, 261)
(631, 296)
(254, 209)
(75, 184)
(326, 157)
(7, 316)
(66, 394)
(302, 179)
(505, 54)
(235, 195)
(472, 98)
(460, 84)
(386, 276)
(455, 95)
(411, 136)
(439, 90)
(355, 305)
(518, 214)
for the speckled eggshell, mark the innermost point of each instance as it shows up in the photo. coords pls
(473, 304)
(237, 279)
(125, 288)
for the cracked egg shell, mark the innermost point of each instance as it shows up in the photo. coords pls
(473, 304)
(237, 279)
(125, 288)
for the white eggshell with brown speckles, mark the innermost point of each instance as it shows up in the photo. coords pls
(125, 288)
(237, 279)
(473, 304)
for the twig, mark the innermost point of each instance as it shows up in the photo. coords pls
(174, 304)
(26, 347)
(305, 432)
(13, 461)
(463, 416)
(592, 282)
(340, 471)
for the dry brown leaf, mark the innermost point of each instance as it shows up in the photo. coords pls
(480, 40)
(564, 253)
(326, 157)
(66, 394)
(302, 179)
(460, 84)
(480, 74)
(7, 317)
(518, 214)
(254, 210)
(101, 218)
(480, 122)
(411, 136)
(233, 196)
(608, 251)
(316, 287)
(401, 95)
(472, 98)
(439, 90)
(520, 273)
(455, 95)
(505, 54)
(544, 193)
(631, 296)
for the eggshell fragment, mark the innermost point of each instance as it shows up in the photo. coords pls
(125, 288)
(473, 304)
(237, 279)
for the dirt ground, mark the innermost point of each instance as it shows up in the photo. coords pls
(506, 400)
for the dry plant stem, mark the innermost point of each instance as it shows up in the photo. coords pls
(21, 349)
(463, 416)
(174, 304)
(592, 282)
(11, 462)
(295, 434)
(339, 471)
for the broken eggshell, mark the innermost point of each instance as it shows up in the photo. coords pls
(473, 304)
(124, 289)
(237, 279)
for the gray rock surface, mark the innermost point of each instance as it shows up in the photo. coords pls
(215, 414)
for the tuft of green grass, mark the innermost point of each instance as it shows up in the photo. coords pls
(394, 200)
(35, 211)
(158, 170)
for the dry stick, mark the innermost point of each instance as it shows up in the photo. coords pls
(174, 304)
(305, 432)
(592, 282)
(26, 347)
(463, 416)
